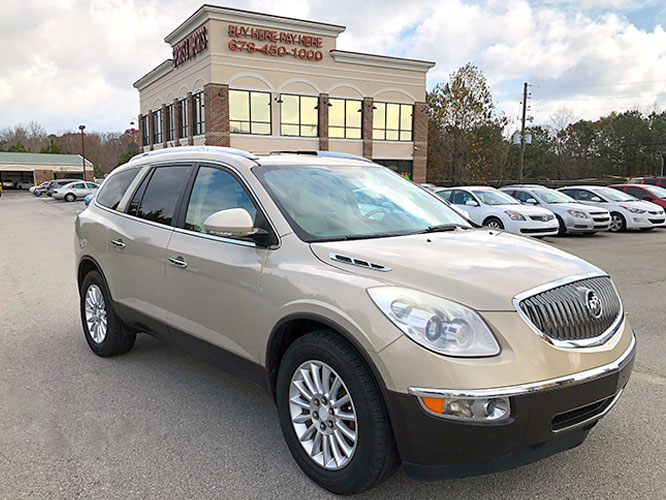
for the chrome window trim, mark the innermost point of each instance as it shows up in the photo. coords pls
(215, 238)
(569, 344)
(529, 388)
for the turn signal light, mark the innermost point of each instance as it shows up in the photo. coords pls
(469, 409)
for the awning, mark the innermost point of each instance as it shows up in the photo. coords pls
(17, 168)
(71, 168)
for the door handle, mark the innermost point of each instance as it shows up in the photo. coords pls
(178, 262)
(118, 243)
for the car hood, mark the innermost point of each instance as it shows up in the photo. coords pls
(483, 269)
(580, 207)
(523, 209)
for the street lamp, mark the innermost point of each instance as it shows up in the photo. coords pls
(83, 152)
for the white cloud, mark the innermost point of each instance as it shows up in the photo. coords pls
(74, 61)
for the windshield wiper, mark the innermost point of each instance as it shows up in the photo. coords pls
(369, 236)
(440, 228)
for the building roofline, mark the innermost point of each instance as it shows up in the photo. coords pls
(344, 56)
(159, 71)
(208, 11)
(48, 159)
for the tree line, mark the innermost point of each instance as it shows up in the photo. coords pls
(105, 150)
(469, 140)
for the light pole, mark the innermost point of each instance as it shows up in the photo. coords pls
(83, 152)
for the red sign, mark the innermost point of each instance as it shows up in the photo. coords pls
(305, 49)
(196, 42)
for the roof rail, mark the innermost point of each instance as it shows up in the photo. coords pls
(328, 154)
(192, 149)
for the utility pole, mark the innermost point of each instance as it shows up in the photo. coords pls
(522, 135)
(83, 152)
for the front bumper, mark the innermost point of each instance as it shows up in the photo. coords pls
(433, 447)
(533, 228)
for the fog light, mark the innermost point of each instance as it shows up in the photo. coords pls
(468, 409)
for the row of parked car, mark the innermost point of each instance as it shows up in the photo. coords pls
(66, 189)
(538, 211)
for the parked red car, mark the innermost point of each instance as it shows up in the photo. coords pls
(656, 180)
(645, 192)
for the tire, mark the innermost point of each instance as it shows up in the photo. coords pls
(70, 197)
(562, 229)
(116, 339)
(618, 223)
(493, 223)
(373, 457)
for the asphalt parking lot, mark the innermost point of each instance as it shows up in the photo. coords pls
(157, 423)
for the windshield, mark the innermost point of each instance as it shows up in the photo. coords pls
(494, 197)
(551, 196)
(349, 202)
(659, 192)
(613, 194)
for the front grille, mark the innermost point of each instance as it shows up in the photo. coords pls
(654, 213)
(541, 218)
(601, 219)
(657, 221)
(579, 415)
(566, 314)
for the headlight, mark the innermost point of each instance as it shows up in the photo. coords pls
(578, 213)
(633, 210)
(514, 215)
(436, 323)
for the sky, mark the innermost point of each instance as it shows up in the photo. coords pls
(70, 62)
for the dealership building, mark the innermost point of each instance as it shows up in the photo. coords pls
(40, 167)
(268, 83)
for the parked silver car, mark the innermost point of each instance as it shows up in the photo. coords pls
(75, 191)
(573, 217)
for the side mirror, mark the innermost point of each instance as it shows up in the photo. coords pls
(531, 201)
(471, 203)
(233, 222)
(596, 199)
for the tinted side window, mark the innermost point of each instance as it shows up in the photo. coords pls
(638, 193)
(215, 190)
(521, 195)
(583, 195)
(163, 191)
(444, 194)
(114, 188)
(461, 197)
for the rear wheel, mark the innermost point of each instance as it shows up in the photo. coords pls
(618, 223)
(493, 223)
(70, 197)
(103, 330)
(332, 415)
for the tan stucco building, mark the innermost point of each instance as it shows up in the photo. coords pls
(268, 83)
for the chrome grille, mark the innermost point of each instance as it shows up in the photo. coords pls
(563, 314)
(542, 218)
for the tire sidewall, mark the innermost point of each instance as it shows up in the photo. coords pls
(495, 219)
(70, 197)
(113, 327)
(623, 225)
(346, 479)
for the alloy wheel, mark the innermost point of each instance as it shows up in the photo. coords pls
(96, 314)
(323, 415)
(616, 223)
(493, 224)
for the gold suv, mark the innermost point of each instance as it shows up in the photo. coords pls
(387, 329)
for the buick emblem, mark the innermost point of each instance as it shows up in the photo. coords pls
(593, 303)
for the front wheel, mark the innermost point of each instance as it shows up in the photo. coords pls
(493, 223)
(332, 415)
(103, 330)
(617, 223)
(561, 229)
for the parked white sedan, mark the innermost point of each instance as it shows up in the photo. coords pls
(626, 211)
(75, 190)
(497, 210)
